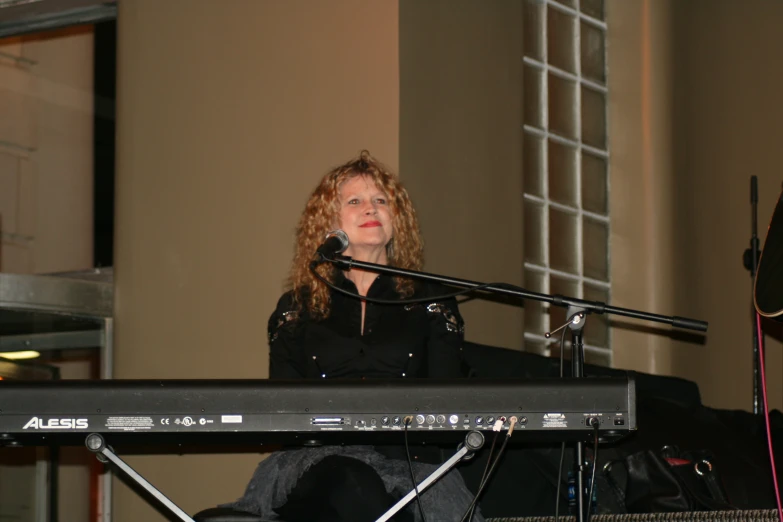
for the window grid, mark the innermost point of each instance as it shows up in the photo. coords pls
(600, 24)
(564, 74)
(566, 275)
(565, 141)
(567, 208)
(548, 136)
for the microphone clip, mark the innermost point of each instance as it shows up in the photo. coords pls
(335, 242)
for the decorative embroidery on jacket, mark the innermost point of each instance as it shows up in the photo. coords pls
(453, 324)
(282, 320)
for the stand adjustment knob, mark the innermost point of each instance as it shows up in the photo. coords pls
(94, 442)
(474, 440)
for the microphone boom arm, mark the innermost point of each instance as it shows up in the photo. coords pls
(597, 307)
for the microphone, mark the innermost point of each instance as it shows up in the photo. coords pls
(335, 243)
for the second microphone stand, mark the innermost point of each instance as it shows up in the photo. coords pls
(574, 305)
(750, 260)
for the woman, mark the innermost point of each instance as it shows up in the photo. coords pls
(317, 332)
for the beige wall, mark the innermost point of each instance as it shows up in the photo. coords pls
(641, 179)
(694, 112)
(228, 114)
(460, 148)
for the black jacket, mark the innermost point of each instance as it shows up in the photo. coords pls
(404, 341)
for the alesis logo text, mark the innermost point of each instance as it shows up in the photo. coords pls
(56, 424)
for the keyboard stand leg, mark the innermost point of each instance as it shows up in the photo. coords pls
(474, 440)
(97, 445)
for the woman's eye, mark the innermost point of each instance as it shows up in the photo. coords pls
(353, 201)
(382, 201)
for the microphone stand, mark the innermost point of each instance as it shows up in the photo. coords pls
(750, 260)
(573, 305)
(598, 307)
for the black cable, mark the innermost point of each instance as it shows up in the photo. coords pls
(595, 465)
(484, 476)
(410, 468)
(481, 488)
(405, 301)
(562, 346)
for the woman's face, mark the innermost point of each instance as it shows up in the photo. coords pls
(365, 215)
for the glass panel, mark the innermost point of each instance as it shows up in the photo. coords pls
(594, 189)
(562, 173)
(561, 40)
(592, 52)
(598, 357)
(533, 165)
(532, 93)
(19, 473)
(593, 118)
(595, 241)
(557, 314)
(594, 8)
(562, 107)
(534, 226)
(562, 241)
(13, 51)
(532, 29)
(535, 318)
(24, 472)
(597, 326)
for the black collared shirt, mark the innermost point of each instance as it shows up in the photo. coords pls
(405, 341)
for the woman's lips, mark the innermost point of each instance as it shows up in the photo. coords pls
(370, 224)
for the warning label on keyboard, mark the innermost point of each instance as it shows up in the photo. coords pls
(129, 423)
(554, 420)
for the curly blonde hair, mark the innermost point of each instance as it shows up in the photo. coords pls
(321, 213)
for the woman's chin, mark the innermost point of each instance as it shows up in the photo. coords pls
(365, 249)
(369, 242)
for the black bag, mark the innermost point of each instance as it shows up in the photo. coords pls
(667, 481)
(737, 454)
(732, 474)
